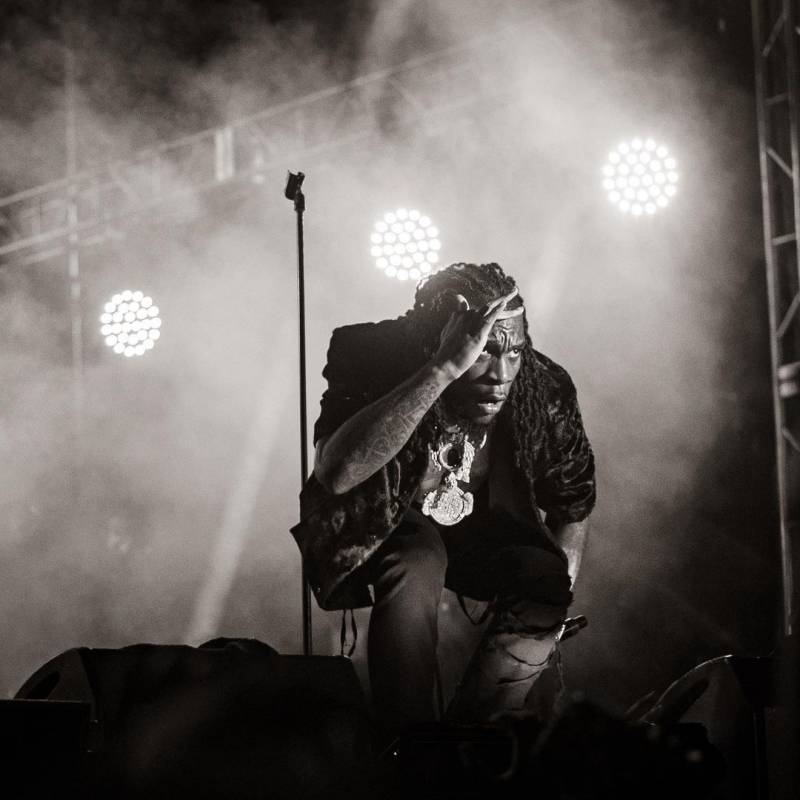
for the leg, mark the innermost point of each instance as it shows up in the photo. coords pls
(515, 650)
(408, 577)
(532, 588)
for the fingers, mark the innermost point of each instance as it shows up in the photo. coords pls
(497, 309)
(480, 320)
(504, 314)
(499, 302)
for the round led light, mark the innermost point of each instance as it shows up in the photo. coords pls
(130, 323)
(640, 176)
(403, 243)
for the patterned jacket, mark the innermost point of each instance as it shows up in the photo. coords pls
(338, 533)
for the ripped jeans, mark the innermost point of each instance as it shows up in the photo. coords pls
(488, 556)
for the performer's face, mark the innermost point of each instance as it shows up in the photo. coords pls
(480, 393)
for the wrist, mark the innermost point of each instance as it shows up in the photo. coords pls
(441, 374)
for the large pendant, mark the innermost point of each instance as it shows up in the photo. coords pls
(454, 456)
(448, 504)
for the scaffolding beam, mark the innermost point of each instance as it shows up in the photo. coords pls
(776, 42)
(93, 203)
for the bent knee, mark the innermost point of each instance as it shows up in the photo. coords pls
(415, 559)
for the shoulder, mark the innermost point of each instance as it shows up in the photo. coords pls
(366, 337)
(553, 382)
(375, 354)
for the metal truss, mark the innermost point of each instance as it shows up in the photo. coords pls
(93, 204)
(776, 35)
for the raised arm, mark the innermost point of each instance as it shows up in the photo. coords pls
(375, 434)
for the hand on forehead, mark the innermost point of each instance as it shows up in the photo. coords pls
(492, 306)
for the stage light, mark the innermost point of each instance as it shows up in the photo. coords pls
(405, 244)
(130, 324)
(640, 177)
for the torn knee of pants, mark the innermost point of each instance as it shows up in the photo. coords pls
(513, 657)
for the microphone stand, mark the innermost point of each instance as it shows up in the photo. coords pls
(293, 191)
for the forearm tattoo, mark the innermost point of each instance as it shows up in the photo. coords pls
(373, 436)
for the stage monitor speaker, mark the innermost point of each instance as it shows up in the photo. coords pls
(230, 719)
(41, 748)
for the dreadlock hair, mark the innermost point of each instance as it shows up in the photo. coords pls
(433, 304)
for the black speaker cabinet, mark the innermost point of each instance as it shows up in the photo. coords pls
(42, 744)
(230, 719)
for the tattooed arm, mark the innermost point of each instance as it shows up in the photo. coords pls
(375, 434)
(370, 438)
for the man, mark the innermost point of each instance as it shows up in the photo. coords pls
(442, 436)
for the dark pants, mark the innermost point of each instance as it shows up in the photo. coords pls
(488, 556)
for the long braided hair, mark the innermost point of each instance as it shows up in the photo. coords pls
(433, 304)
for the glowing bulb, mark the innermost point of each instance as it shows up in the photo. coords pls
(640, 176)
(130, 323)
(404, 244)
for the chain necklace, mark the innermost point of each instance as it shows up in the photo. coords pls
(448, 503)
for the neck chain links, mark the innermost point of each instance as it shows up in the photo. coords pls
(448, 504)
